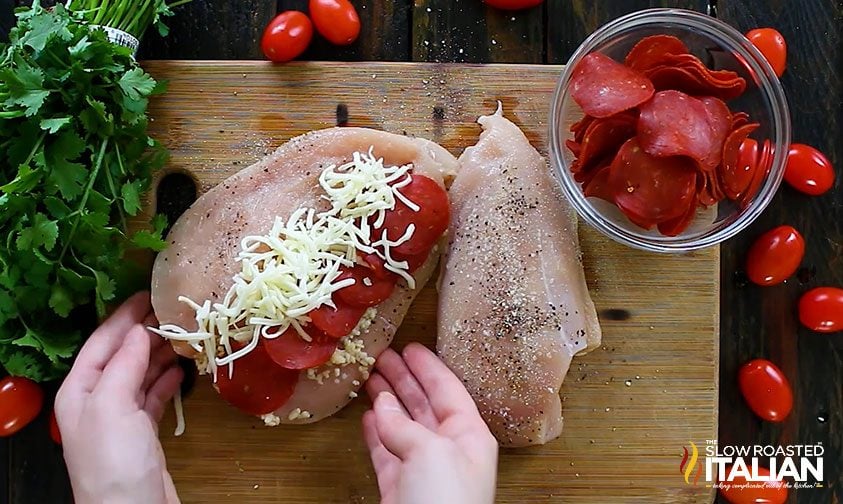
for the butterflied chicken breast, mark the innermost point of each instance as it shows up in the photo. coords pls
(201, 259)
(514, 308)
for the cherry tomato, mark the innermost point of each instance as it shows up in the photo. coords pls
(368, 289)
(808, 170)
(769, 492)
(287, 36)
(766, 390)
(258, 385)
(291, 351)
(772, 45)
(336, 20)
(21, 400)
(775, 256)
(821, 309)
(430, 221)
(55, 433)
(337, 322)
(513, 4)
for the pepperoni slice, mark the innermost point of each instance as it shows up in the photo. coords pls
(291, 351)
(430, 221)
(674, 227)
(765, 161)
(574, 147)
(719, 119)
(598, 186)
(603, 137)
(337, 322)
(675, 124)
(368, 289)
(602, 87)
(650, 51)
(651, 189)
(258, 385)
(696, 80)
(585, 177)
(739, 119)
(375, 265)
(579, 127)
(414, 262)
(704, 193)
(738, 173)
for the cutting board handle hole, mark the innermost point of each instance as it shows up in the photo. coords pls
(175, 193)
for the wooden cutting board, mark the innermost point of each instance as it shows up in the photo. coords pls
(630, 406)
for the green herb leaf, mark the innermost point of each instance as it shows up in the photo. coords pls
(44, 26)
(25, 87)
(131, 196)
(43, 232)
(68, 178)
(61, 300)
(55, 124)
(136, 84)
(57, 208)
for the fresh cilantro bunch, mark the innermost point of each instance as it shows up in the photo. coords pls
(75, 158)
(131, 16)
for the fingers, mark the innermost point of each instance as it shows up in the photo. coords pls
(386, 464)
(398, 433)
(162, 391)
(445, 391)
(377, 384)
(108, 338)
(124, 373)
(162, 357)
(393, 368)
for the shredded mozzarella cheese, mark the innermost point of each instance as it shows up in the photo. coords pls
(294, 269)
(178, 407)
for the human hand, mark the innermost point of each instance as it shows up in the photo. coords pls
(109, 406)
(432, 446)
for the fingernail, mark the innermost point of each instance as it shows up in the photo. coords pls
(388, 402)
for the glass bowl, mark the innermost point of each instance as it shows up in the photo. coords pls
(719, 46)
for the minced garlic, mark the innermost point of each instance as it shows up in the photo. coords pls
(298, 414)
(271, 420)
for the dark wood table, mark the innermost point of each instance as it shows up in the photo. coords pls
(756, 322)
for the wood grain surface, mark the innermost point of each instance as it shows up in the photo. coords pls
(755, 322)
(629, 406)
(762, 321)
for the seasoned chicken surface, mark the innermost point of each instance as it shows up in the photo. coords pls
(200, 260)
(514, 307)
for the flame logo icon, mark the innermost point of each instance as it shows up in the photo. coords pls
(686, 467)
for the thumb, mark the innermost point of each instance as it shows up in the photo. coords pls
(399, 434)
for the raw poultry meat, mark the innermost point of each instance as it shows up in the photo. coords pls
(200, 260)
(514, 308)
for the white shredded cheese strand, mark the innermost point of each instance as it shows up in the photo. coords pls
(178, 407)
(293, 269)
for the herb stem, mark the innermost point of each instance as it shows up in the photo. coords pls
(84, 201)
(35, 148)
(116, 196)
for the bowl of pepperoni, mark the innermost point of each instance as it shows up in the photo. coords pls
(669, 131)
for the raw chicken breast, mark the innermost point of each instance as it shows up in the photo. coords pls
(513, 303)
(200, 260)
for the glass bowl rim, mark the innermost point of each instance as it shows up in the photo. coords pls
(769, 85)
